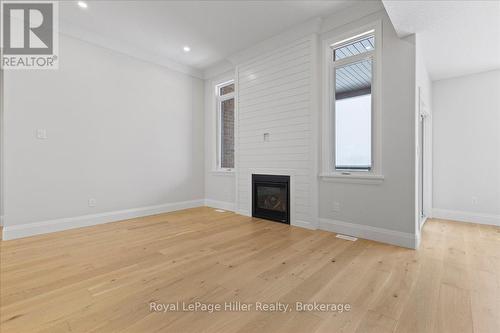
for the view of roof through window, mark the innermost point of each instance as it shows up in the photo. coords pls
(357, 47)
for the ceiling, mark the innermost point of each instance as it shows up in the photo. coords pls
(213, 30)
(457, 37)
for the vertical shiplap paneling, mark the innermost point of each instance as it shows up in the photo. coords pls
(274, 96)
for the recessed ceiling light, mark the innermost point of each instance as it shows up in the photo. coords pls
(82, 4)
(186, 48)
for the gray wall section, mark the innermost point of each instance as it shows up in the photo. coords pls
(391, 204)
(2, 140)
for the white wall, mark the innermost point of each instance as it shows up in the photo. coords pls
(125, 132)
(384, 209)
(466, 139)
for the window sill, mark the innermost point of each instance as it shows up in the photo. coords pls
(355, 178)
(229, 173)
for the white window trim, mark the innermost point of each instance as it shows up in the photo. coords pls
(223, 172)
(217, 170)
(328, 172)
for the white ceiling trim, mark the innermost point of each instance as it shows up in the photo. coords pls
(299, 31)
(350, 15)
(221, 67)
(313, 26)
(72, 31)
(283, 39)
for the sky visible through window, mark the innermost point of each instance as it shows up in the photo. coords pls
(353, 132)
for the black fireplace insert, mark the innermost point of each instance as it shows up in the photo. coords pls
(271, 197)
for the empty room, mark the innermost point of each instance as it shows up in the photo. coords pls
(250, 166)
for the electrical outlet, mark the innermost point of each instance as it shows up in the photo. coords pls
(336, 206)
(92, 202)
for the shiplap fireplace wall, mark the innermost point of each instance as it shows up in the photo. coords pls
(276, 103)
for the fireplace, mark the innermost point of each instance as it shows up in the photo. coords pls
(271, 197)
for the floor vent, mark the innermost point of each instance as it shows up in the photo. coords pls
(349, 238)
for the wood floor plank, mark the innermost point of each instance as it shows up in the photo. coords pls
(454, 310)
(104, 278)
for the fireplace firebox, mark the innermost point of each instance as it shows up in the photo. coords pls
(271, 197)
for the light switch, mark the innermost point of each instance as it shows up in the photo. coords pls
(41, 133)
(266, 137)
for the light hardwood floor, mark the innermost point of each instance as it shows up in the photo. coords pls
(103, 278)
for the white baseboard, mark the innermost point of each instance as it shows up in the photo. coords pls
(244, 212)
(471, 217)
(424, 219)
(372, 233)
(357, 230)
(43, 227)
(220, 204)
(304, 224)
